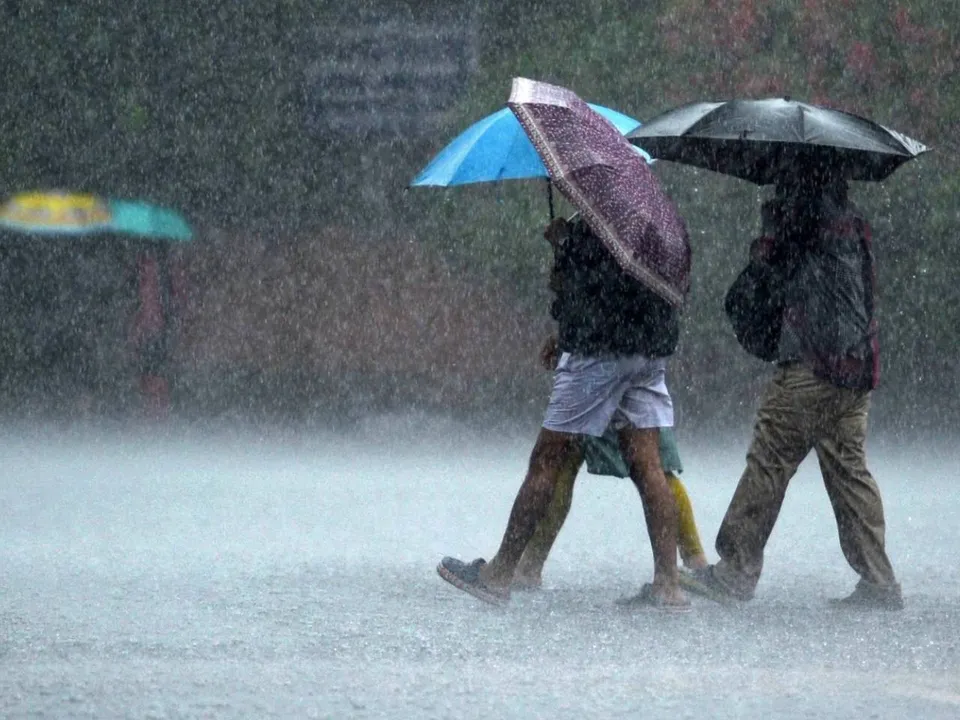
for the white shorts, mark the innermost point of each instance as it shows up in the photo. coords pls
(592, 393)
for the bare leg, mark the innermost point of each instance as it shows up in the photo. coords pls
(530, 569)
(551, 453)
(641, 447)
(528, 574)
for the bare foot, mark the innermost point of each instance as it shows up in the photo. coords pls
(669, 596)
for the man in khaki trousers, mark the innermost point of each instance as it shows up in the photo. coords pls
(818, 399)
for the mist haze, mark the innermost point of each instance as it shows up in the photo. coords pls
(353, 387)
(228, 574)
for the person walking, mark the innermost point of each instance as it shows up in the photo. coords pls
(827, 357)
(615, 336)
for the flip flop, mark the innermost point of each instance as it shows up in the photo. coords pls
(647, 598)
(466, 577)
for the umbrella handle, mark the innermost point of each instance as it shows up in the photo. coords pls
(550, 196)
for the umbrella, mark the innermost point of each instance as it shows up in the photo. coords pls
(55, 213)
(150, 221)
(60, 213)
(756, 139)
(496, 148)
(600, 173)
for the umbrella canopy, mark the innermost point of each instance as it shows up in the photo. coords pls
(756, 140)
(144, 220)
(496, 148)
(59, 213)
(600, 173)
(55, 213)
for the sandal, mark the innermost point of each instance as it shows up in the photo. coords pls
(466, 577)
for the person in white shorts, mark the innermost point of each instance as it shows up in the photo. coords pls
(615, 336)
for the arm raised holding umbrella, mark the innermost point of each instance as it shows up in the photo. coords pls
(622, 271)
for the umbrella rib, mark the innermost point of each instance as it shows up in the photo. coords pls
(510, 151)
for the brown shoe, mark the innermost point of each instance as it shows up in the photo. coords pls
(867, 596)
(526, 583)
(704, 583)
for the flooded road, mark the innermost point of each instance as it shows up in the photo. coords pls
(233, 576)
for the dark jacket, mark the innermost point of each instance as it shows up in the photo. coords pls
(828, 318)
(600, 309)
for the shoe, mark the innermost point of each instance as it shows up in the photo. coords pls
(526, 584)
(704, 583)
(647, 597)
(867, 596)
(466, 577)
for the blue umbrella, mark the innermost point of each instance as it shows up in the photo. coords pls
(496, 148)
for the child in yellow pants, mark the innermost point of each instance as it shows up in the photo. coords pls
(602, 457)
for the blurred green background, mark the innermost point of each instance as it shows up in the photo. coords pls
(324, 289)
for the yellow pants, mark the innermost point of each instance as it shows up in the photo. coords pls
(688, 537)
(537, 550)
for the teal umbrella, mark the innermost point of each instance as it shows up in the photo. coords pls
(145, 220)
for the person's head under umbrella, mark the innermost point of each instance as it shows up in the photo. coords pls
(820, 245)
(804, 194)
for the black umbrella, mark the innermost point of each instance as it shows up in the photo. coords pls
(756, 140)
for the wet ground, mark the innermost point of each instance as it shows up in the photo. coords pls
(230, 576)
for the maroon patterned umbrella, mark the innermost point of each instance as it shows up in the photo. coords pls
(598, 170)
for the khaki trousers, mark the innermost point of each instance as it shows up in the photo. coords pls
(800, 412)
